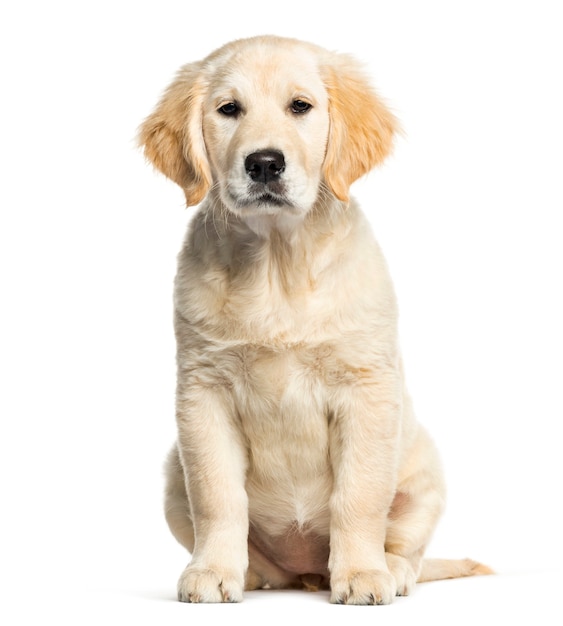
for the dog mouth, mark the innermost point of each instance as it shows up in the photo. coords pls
(263, 199)
(268, 199)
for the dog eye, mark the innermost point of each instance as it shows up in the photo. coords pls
(300, 106)
(229, 109)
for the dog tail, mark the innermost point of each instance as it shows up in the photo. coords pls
(439, 569)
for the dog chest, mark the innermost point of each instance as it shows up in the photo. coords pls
(281, 403)
(281, 399)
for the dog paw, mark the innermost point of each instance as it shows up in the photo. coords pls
(207, 585)
(366, 587)
(403, 573)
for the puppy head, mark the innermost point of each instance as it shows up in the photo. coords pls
(266, 120)
(266, 125)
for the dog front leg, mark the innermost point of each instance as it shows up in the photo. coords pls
(214, 462)
(363, 449)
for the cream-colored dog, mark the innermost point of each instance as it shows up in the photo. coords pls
(299, 462)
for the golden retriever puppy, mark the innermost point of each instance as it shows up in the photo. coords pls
(299, 462)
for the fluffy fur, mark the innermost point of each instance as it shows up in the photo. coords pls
(299, 462)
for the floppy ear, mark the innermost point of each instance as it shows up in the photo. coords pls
(361, 127)
(172, 135)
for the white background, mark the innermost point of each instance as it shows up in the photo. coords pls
(467, 210)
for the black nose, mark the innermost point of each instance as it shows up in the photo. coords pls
(264, 166)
